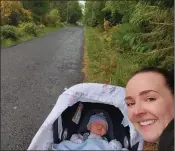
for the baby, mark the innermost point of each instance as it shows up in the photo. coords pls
(98, 127)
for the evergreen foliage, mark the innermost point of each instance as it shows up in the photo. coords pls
(144, 28)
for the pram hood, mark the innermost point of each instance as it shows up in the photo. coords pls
(84, 92)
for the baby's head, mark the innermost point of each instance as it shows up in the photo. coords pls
(98, 124)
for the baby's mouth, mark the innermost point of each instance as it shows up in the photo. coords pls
(99, 131)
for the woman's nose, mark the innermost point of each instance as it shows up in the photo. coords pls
(139, 110)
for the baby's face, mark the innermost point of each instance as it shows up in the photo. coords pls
(98, 127)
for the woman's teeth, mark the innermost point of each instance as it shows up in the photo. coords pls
(147, 122)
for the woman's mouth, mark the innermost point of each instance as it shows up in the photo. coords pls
(146, 123)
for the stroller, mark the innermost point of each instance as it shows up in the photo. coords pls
(75, 106)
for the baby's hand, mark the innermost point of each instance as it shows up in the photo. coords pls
(78, 141)
(124, 149)
(76, 138)
(115, 144)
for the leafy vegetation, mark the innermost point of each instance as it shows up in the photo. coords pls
(52, 18)
(93, 13)
(10, 32)
(102, 63)
(29, 28)
(140, 32)
(20, 19)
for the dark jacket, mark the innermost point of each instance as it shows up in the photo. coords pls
(166, 142)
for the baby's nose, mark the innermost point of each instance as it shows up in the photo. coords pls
(100, 126)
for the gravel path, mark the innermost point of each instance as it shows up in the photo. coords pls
(33, 75)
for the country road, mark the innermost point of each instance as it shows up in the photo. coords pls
(33, 75)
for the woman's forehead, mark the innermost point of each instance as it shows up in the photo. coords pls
(145, 81)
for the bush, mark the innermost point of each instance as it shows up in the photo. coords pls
(2, 38)
(52, 18)
(26, 16)
(14, 18)
(61, 25)
(8, 31)
(106, 25)
(49, 21)
(41, 26)
(30, 28)
(36, 18)
(168, 63)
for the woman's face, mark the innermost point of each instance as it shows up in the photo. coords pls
(98, 127)
(150, 104)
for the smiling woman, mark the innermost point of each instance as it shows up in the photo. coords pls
(150, 101)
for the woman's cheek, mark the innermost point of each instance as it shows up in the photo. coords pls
(131, 115)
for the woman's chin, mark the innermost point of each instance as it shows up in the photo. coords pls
(149, 137)
(150, 132)
(150, 140)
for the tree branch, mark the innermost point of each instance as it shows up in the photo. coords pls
(164, 49)
(166, 24)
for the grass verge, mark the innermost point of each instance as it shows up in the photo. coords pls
(26, 37)
(104, 64)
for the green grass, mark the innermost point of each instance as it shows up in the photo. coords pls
(104, 63)
(26, 37)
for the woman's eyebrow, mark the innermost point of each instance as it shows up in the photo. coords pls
(146, 91)
(128, 98)
(140, 94)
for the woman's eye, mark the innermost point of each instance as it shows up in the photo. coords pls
(150, 99)
(129, 104)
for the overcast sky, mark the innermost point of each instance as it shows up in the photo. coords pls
(82, 2)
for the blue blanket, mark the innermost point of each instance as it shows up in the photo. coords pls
(89, 144)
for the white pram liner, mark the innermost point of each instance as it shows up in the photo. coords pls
(84, 92)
